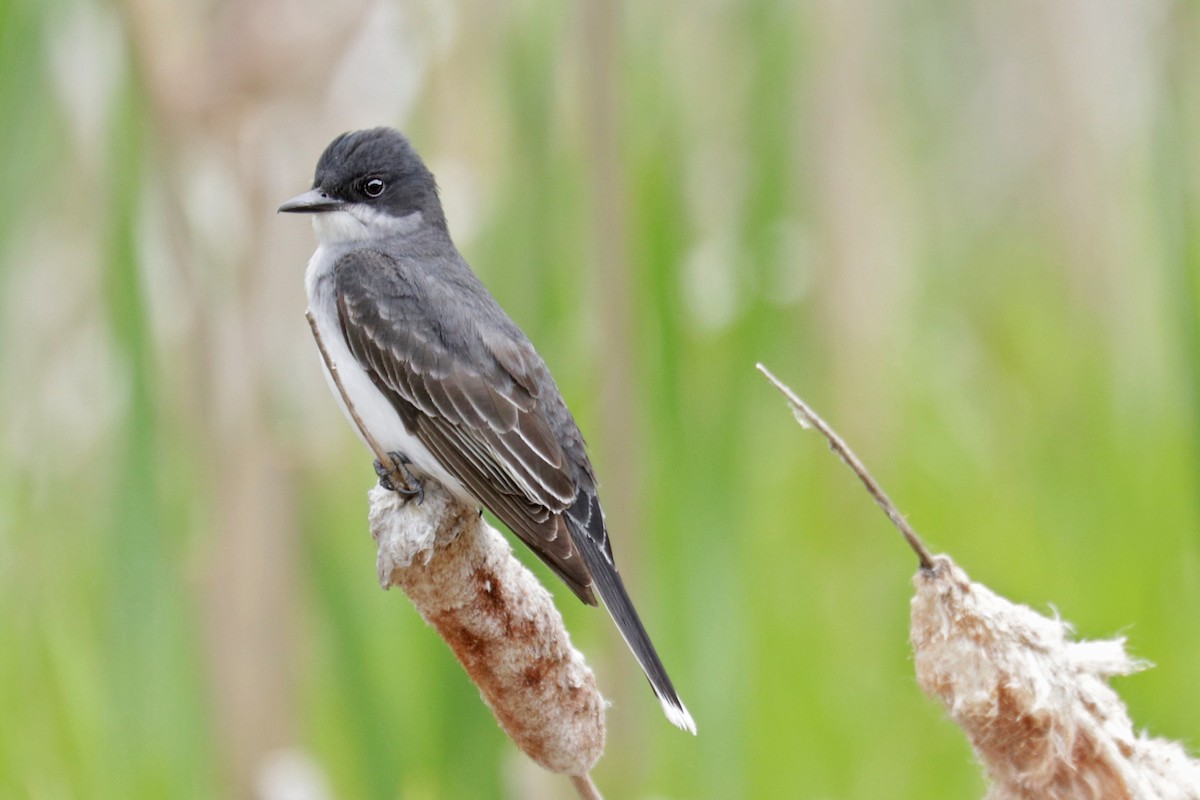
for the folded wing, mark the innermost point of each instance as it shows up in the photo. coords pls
(472, 401)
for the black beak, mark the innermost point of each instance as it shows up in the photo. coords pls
(314, 201)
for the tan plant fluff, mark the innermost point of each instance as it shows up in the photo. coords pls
(1035, 704)
(499, 620)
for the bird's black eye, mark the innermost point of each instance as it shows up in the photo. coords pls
(374, 187)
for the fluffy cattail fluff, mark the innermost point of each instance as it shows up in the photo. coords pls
(1036, 705)
(500, 621)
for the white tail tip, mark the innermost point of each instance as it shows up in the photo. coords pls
(678, 715)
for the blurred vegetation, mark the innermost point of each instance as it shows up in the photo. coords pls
(968, 234)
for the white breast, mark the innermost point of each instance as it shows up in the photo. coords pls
(372, 407)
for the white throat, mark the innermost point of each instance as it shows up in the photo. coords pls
(361, 223)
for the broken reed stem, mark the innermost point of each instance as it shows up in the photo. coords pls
(502, 624)
(394, 472)
(809, 419)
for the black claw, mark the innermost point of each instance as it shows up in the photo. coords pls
(384, 477)
(411, 484)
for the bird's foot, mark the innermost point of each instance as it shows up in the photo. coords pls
(400, 478)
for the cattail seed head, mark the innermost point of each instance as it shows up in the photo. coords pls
(1035, 704)
(498, 619)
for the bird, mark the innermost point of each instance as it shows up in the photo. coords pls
(444, 380)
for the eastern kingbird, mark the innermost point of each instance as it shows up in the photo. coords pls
(444, 380)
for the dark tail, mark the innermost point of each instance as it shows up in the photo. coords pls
(586, 523)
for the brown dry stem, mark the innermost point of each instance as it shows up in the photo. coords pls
(585, 788)
(810, 419)
(397, 475)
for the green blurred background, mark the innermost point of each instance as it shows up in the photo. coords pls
(968, 233)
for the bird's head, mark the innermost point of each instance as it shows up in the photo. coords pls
(370, 184)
